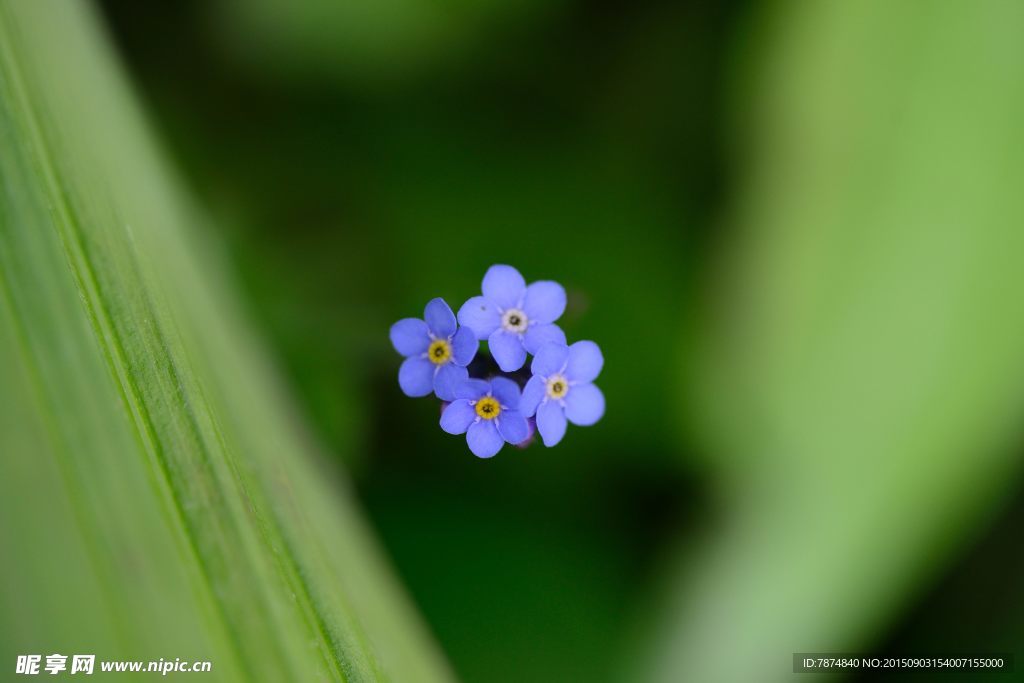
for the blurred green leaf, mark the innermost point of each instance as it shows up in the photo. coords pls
(370, 42)
(862, 376)
(158, 497)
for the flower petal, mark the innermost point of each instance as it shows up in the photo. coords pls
(504, 286)
(507, 349)
(447, 378)
(533, 394)
(481, 316)
(416, 377)
(464, 346)
(539, 335)
(440, 318)
(531, 426)
(550, 359)
(584, 405)
(409, 336)
(585, 362)
(506, 391)
(512, 426)
(483, 439)
(457, 417)
(472, 389)
(550, 423)
(545, 301)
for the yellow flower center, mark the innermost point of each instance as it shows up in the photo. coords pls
(488, 408)
(439, 352)
(558, 387)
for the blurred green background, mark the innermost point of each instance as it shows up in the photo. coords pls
(794, 228)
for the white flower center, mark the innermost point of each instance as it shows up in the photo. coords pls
(514, 321)
(558, 387)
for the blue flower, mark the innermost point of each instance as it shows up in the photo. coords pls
(513, 318)
(437, 352)
(488, 414)
(561, 388)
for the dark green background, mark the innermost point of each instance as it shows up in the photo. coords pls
(582, 142)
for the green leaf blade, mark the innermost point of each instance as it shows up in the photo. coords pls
(186, 492)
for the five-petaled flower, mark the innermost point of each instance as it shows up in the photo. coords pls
(561, 388)
(513, 318)
(437, 352)
(488, 414)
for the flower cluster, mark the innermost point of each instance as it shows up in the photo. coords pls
(502, 404)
